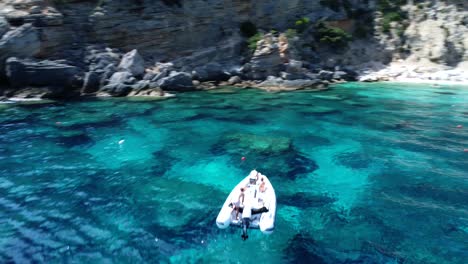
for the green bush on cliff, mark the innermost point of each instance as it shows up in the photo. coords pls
(291, 33)
(252, 41)
(389, 18)
(302, 24)
(332, 36)
(391, 11)
(389, 5)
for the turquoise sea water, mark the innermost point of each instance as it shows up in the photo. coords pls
(364, 173)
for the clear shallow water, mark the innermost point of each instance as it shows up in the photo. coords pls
(364, 173)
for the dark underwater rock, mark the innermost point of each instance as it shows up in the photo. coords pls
(436, 193)
(258, 143)
(354, 160)
(298, 165)
(375, 253)
(446, 93)
(263, 153)
(73, 139)
(303, 249)
(305, 200)
(320, 111)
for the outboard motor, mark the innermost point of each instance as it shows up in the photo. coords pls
(245, 225)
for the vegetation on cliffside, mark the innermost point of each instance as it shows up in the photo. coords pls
(392, 13)
(332, 36)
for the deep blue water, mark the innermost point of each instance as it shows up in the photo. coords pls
(364, 173)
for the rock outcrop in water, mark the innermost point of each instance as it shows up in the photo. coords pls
(40, 73)
(274, 45)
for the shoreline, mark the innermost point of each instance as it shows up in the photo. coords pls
(424, 81)
(434, 83)
(415, 72)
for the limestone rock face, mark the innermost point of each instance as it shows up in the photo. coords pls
(267, 59)
(156, 28)
(192, 34)
(21, 42)
(325, 75)
(121, 77)
(434, 45)
(159, 71)
(4, 26)
(278, 84)
(102, 64)
(177, 81)
(117, 90)
(438, 32)
(429, 36)
(99, 58)
(133, 63)
(190, 25)
(294, 66)
(91, 82)
(146, 88)
(234, 80)
(40, 73)
(120, 84)
(210, 72)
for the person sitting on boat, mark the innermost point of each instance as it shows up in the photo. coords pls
(261, 192)
(262, 187)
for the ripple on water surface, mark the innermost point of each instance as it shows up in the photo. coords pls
(364, 173)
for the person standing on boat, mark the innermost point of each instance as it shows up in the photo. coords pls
(239, 203)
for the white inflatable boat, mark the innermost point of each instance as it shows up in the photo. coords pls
(257, 209)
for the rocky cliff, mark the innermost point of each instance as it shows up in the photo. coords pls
(430, 43)
(162, 30)
(356, 35)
